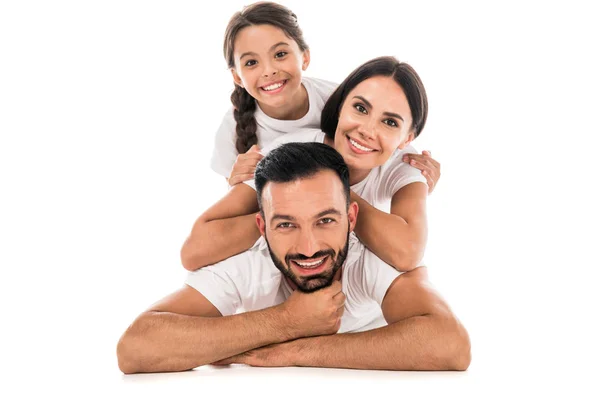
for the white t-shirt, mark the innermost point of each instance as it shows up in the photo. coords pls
(250, 281)
(268, 129)
(380, 185)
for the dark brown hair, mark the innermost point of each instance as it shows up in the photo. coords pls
(261, 13)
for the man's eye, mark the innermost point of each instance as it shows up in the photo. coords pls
(250, 63)
(360, 108)
(284, 225)
(327, 220)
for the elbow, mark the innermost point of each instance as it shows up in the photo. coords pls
(191, 257)
(408, 258)
(459, 349)
(129, 348)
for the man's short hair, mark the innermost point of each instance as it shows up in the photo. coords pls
(293, 161)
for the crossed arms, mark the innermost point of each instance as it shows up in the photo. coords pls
(184, 331)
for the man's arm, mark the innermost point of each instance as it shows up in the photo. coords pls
(422, 334)
(184, 331)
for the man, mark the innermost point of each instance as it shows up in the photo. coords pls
(305, 280)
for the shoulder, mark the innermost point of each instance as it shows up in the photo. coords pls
(395, 173)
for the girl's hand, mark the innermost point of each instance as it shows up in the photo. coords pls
(430, 168)
(244, 166)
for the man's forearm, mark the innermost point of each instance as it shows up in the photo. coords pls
(418, 343)
(214, 241)
(164, 342)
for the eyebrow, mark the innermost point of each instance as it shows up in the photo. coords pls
(389, 114)
(251, 53)
(319, 215)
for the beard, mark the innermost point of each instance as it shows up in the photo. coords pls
(311, 283)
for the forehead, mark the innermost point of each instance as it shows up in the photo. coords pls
(304, 198)
(258, 38)
(384, 93)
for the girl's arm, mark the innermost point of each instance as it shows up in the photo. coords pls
(398, 238)
(224, 230)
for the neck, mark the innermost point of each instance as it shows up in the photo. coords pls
(295, 109)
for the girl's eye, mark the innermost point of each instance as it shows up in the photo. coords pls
(280, 54)
(250, 63)
(390, 122)
(360, 108)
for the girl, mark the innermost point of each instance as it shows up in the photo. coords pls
(266, 54)
(371, 118)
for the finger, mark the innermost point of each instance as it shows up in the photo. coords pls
(253, 149)
(423, 166)
(336, 287)
(250, 156)
(240, 178)
(339, 299)
(426, 153)
(243, 169)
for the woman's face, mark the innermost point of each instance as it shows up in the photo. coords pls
(374, 121)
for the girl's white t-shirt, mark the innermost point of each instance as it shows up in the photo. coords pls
(268, 129)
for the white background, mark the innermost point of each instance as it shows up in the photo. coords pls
(107, 117)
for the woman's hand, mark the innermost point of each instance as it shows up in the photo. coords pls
(244, 166)
(430, 168)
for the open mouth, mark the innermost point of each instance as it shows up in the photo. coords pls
(274, 87)
(359, 148)
(310, 267)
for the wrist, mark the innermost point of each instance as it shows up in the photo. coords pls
(287, 324)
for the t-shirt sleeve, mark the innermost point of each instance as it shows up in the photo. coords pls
(399, 174)
(377, 276)
(218, 286)
(224, 151)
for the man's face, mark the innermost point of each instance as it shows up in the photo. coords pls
(306, 225)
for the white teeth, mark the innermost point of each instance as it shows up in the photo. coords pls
(310, 265)
(358, 146)
(273, 86)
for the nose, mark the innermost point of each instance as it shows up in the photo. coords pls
(307, 244)
(367, 128)
(269, 70)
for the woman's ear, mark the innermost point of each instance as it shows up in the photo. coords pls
(406, 142)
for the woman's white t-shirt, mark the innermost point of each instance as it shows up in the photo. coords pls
(268, 129)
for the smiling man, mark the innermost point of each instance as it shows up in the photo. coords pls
(282, 302)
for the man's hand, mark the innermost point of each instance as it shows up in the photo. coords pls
(244, 166)
(430, 168)
(275, 355)
(316, 314)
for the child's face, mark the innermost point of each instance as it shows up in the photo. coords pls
(269, 65)
(374, 121)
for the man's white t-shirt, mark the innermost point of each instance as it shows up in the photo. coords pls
(250, 281)
(268, 129)
(380, 185)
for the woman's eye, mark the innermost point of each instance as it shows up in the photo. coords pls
(250, 63)
(390, 122)
(280, 54)
(360, 108)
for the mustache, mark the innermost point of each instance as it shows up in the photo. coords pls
(318, 254)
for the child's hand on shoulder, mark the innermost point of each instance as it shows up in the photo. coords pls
(244, 166)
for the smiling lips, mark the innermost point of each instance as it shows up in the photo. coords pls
(359, 148)
(274, 87)
(310, 267)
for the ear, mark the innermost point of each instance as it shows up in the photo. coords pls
(236, 78)
(406, 142)
(261, 223)
(352, 214)
(305, 59)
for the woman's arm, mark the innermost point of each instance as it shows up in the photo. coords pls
(398, 238)
(224, 230)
